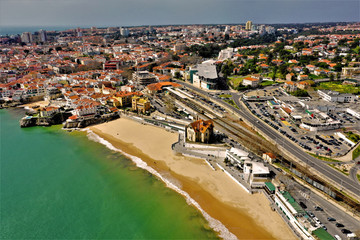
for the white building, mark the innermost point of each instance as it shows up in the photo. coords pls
(353, 113)
(332, 96)
(26, 37)
(250, 81)
(227, 53)
(237, 156)
(42, 36)
(205, 75)
(124, 32)
(256, 173)
(320, 126)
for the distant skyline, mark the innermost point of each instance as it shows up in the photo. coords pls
(102, 13)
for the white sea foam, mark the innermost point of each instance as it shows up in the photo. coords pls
(213, 223)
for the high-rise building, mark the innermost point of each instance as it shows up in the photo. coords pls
(43, 36)
(248, 25)
(124, 32)
(26, 37)
(79, 32)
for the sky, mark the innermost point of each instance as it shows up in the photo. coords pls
(102, 13)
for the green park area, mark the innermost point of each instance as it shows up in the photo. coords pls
(352, 136)
(356, 152)
(337, 86)
(236, 80)
(267, 83)
(225, 96)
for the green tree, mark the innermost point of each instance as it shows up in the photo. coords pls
(274, 71)
(322, 65)
(26, 51)
(338, 67)
(177, 75)
(306, 71)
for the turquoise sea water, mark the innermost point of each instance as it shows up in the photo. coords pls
(56, 184)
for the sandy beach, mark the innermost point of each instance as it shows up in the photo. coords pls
(38, 103)
(246, 216)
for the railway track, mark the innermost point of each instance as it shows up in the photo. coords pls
(253, 142)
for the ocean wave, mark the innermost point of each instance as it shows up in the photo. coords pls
(213, 223)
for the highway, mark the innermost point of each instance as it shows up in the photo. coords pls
(337, 177)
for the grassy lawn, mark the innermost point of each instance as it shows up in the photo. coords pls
(356, 152)
(358, 177)
(270, 74)
(352, 136)
(236, 80)
(225, 96)
(231, 102)
(267, 83)
(313, 76)
(337, 86)
(323, 158)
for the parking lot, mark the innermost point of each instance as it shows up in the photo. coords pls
(321, 143)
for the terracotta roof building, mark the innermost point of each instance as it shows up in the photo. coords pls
(200, 131)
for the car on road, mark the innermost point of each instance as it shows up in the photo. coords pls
(303, 205)
(345, 231)
(317, 208)
(337, 237)
(331, 219)
(339, 225)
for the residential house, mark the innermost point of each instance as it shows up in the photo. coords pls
(251, 81)
(200, 131)
(290, 86)
(48, 111)
(127, 88)
(290, 76)
(304, 84)
(140, 104)
(302, 77)
(269, 157)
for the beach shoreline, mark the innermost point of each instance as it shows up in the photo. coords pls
(245, 216)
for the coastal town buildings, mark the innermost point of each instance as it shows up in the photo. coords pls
(91, 75)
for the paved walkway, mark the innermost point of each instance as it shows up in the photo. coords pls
(212, 160)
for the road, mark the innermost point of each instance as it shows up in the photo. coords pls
(354, 169)
(337, 177)
(311, 199)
